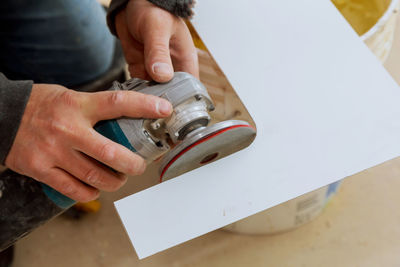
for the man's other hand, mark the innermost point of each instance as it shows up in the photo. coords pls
(57, 145)
(155, 42)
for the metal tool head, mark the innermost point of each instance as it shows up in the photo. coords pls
(186, 130)
(191, 103)
(206, 145)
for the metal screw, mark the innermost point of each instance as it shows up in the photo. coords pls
(155, 125)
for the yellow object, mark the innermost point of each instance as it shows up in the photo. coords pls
(362, 14)
(196, 38)
(91, 207)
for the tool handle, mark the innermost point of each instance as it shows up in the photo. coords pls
(113, 131)
(109, 129)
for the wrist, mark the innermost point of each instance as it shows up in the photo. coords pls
(180, 8)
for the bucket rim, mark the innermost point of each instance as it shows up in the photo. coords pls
(382, 20)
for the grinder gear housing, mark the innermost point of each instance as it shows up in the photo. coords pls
(184, 140)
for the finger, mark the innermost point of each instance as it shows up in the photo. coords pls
(133, 50)
(139, 71)
(93, 173)
(156, 37)
(183, 51)
(114, 104)
(69, 186)
(112, 154)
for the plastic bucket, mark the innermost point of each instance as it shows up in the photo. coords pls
(380, 37)
(303, 209)
(288, 215)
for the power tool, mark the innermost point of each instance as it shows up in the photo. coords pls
(182, 142)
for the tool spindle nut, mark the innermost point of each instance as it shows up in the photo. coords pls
(186, 118)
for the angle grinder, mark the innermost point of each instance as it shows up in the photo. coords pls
(184, 141)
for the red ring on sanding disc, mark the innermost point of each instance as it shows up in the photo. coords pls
(198, 143)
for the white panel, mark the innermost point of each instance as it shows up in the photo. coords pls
(325, 109)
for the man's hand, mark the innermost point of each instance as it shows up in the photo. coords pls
(57, 145)
(155, 42)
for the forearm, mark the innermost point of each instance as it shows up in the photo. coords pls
(180, 8)
(13, 98)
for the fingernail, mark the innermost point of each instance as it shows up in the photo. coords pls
(163, 107)
(162, 69)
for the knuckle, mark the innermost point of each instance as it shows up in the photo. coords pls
(68, 188)
(55, 125)
(151, 107)
(68, 97)
(107, 152)
(115, 185)
(92, 177)
(145, 102)
(95, 179)
(114, 182)
(59, 126)
(138, 167)
(118, 182)
(123, 178)
(158, 49)
(34, 164)
(115, 98)
(50, 142)
(78, 193)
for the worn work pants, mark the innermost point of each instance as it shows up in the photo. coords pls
(65, 42)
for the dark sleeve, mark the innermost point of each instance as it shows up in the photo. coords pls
(180, 8)
(13, 98)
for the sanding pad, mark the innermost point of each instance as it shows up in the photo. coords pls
(206, 145)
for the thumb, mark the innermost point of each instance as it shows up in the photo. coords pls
(157, 55)
(115, 104)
